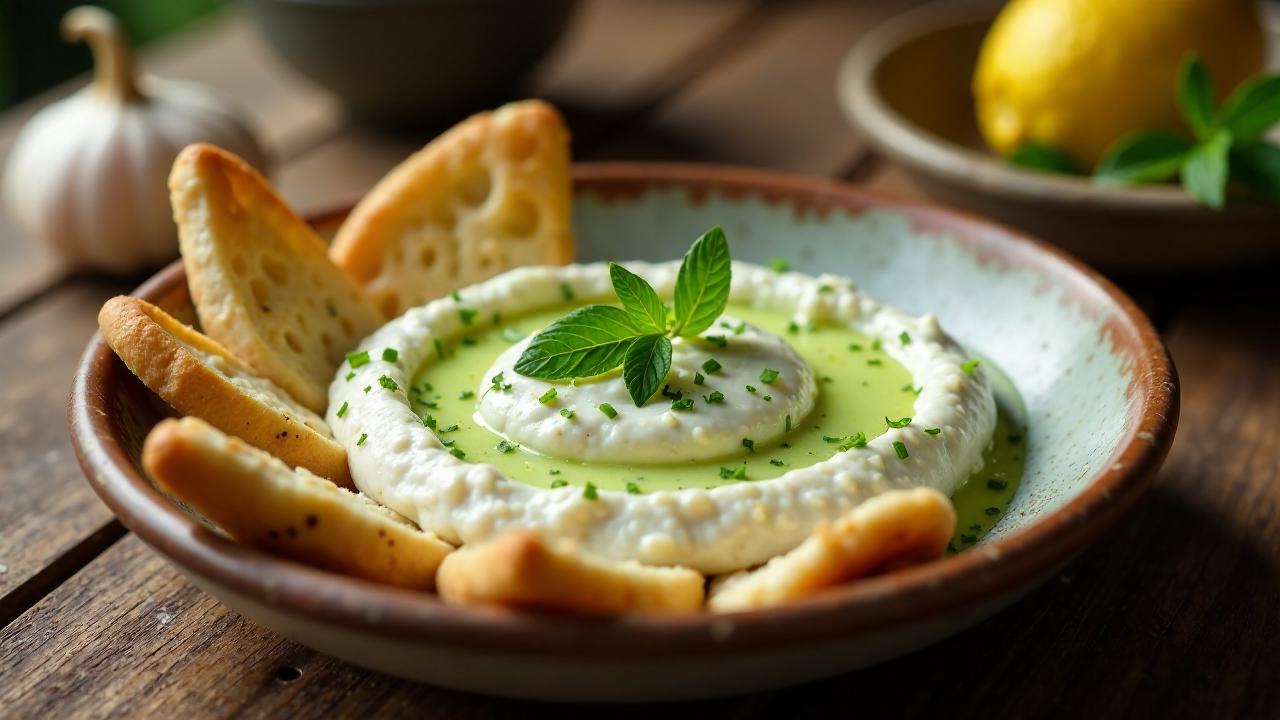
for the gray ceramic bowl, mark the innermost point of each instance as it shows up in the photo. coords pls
(906, 88)
(1100, 393)
(399, 62)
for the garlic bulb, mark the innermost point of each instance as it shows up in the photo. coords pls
(88, 174)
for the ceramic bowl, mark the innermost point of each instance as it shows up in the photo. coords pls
(906, 88)
(1100, 392)
(412, 64)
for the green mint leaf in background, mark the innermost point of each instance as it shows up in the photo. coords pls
(1195, 96)
(1204, 174)
(1037, 156)
(586, 342)
(639, 299)
(1252, 108)
(1257, 167)
(1153, 156)
(645, 367)
(702, 284)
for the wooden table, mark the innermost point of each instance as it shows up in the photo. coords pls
(1175, 613)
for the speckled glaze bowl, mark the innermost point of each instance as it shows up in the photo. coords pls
(1100, 393)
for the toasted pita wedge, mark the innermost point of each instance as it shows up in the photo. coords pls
(259, 501)
(197, 376)
(520, 569)
(889, 531)
(260, 277)
(490, 194)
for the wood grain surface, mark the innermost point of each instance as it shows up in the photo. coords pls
(1176, 613)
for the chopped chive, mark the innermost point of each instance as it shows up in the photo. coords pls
(992, 511)
(450, 428)
(740, 328)
(390, 355)
(751, 388)
(876, 344)
(608, 410)
(776, 462)
(505, 447)
(932, 431)
(669, 394)
(469, 341)
(429, 420)
(467, 315)
(767, 398)
(786, 426)
(855, 347)
(718, 340)
(874, 362)
(904, 338)
(457, 452)
(633, 488)
(367, 388)
(566, 291)
(446, 442)
(897, 423)
(726, 473)
(997, 484)
(738, 473)
(968, 366)
(682, 405)
(466, 394)
(567, 413)
(456, 297)
(553, 471)
(698, 379)
(715, 397)
(793, 327)
(900, 448)
(350, 375)
(824, 289)
(768, 375)
(589, 492)
(546, 397)
(828, 379)
(363, 437)
(439, 347)
(779, 264)
(856, 440)
(512, 335)
(749, 444)
(342, 411)
(388, 383)
(356, 359)
(558, 483)
(711, 366)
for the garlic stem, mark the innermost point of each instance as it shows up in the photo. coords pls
(112, 57)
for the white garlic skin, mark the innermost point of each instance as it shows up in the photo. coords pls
(88, 175)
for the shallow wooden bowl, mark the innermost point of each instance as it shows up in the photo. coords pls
(906, 88)
(1101, 398)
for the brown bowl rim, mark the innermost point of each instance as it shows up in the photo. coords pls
(891, 134)
(1001, 567)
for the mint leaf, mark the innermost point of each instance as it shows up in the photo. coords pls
(639, 299)
(702, 284)
(1037, 156)
(647, 361)
(1143, 157)
(1205, 172)
(588, 341)
(1195, 96)
(1252, 108)
(1257, 166)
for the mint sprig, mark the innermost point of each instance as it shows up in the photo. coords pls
(598, 338)
(1227, 143)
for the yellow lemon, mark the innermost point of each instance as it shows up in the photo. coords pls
(1079, 74)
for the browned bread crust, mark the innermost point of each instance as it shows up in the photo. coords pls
(199, 377)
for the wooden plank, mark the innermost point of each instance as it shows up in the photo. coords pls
(604, 70)
(227, 54)
(48, 508)
(773, 103)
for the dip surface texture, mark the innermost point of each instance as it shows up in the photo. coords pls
(423, 442)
